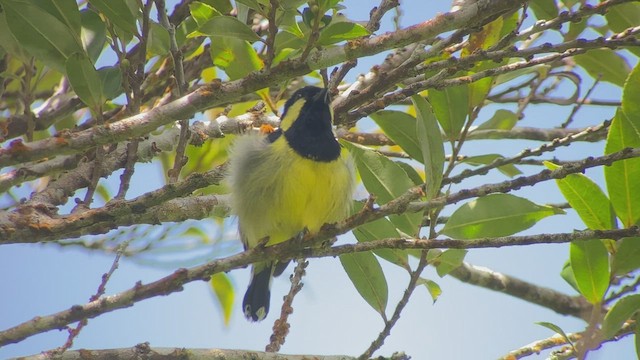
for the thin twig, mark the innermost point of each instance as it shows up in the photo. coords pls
(413, 282)
(271, 35)
(282, 252)
(556, 143)
(181, 88)
(281, 325)
(580, 103)
(74, 332)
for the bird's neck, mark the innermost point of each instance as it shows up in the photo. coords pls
(316, 143)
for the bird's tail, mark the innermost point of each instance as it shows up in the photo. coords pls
(257, 298)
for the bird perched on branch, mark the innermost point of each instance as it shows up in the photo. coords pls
(286, 183)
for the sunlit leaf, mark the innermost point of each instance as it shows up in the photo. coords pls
(432, 287)
(627, 256)
(557, 329)
(202, 12)
(382, 229)
(228, 27)
(366, 274)
(446, 261)
(386, 180)
(590, 264)
(502, 119)
(508, 169)
(340, 31)
(235, 56)
(544, 9)
(587, 199)
(451, 107)
(621, 311)
(605, 64)
(400, 127)
(225, 295)
(430, 139)
(622, 176)
(495, 215)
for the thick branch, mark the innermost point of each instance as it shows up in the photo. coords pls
(282, 251)
(31, 224)
(549, 298)
(218, 93)
(144, 351)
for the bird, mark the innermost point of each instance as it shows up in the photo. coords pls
(288, 183)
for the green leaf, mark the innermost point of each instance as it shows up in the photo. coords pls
(118, 14)
(636, 336)
(432, 287)
(622, 176)
(627, 256)
(400, 127)
(227, 27)
(544, 9)
(587, 199)
(251, 4)
(236, 56)
(111, 81)
(622, 311)
(223, 289)
(158, 42)
(93, 34)
(366, 274)
(66, 11)
(85, 80)
(340, 31)
(630, 95)
(386, 180)
(42, 34)
(382, 229)
(202, 13)
(501, 120)
(9, 43)
(431, 145)
(446, 261)
(623, 16)
(557, 329)
(590, 264)
(287, 21)
(222, 6)
(287, 40)
(568, 276)
(411, 172)
(495, 215)
(606, 64)
(451, 107)
(509, 169)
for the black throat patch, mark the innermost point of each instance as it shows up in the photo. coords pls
(311, 135)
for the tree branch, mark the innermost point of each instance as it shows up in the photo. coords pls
(283, 251)
(218, 93)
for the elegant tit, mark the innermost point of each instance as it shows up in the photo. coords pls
(292, 180)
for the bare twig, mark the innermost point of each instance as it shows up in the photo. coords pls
(281, 325)
(283, 251)
(74, 332)
(389, 324)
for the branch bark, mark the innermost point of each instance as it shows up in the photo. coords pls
(283, 251)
